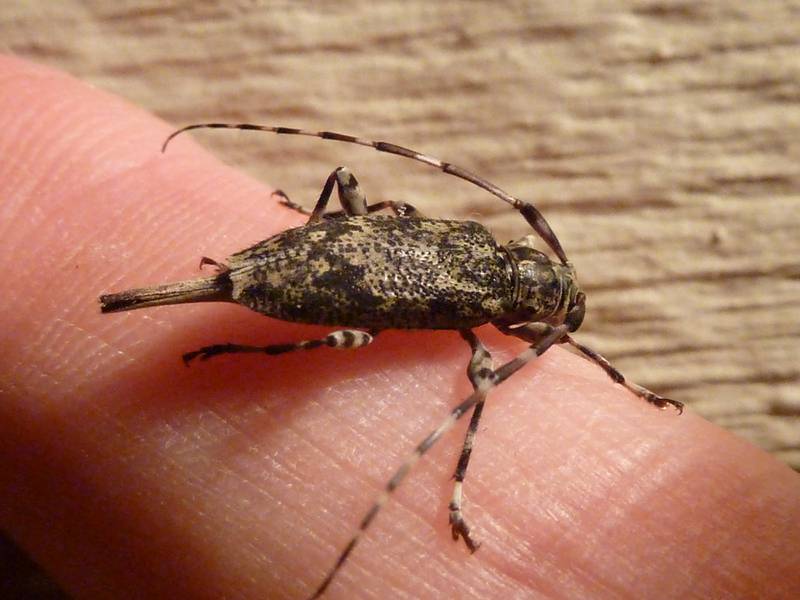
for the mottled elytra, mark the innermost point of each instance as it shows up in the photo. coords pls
(364, 273)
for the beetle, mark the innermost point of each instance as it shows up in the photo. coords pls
(366, 272)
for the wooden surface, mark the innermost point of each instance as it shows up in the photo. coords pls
(661, 140)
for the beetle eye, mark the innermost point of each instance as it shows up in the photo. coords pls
(576, 312)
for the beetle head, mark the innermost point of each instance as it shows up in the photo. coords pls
(545, 291)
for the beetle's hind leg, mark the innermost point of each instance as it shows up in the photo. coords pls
(345, 338)
(480, 375)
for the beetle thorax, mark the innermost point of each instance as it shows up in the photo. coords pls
(544, 291)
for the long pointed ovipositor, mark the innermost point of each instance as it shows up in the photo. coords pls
(209, 289)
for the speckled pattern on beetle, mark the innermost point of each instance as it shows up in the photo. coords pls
(356, 269)
(382, 272)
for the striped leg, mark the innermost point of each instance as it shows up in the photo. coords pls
(485, 385)
(401, 209)
(346, 338)
(480, 374)
(353, 200)
(618, 377)
(534, 331)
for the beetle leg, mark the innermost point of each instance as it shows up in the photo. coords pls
(484, 386)
(480, 373)
(220, 267)
(353, 200)
(534, 331)
(345, 338)
(289, 203)
(401, 209)
(351, 197)
(618, 377)
(529, 332)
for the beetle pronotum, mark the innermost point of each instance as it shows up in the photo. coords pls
(359, 270)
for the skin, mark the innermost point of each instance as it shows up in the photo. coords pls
(128, 475)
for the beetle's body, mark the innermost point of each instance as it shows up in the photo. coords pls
(377, 272)
(373, 272)
(353, 268)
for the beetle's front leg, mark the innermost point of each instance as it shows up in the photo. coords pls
(618, 377)
(346, 338)
(529, 332)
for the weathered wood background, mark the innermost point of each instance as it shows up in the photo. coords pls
(661, 140)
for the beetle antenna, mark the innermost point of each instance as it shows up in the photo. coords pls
(528, 210)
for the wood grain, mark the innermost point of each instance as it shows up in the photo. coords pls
(661, 139)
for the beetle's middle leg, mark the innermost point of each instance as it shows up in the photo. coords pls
(480, 375)
(345, 338)
(352, 198)
(401, 209)
(284, 199)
